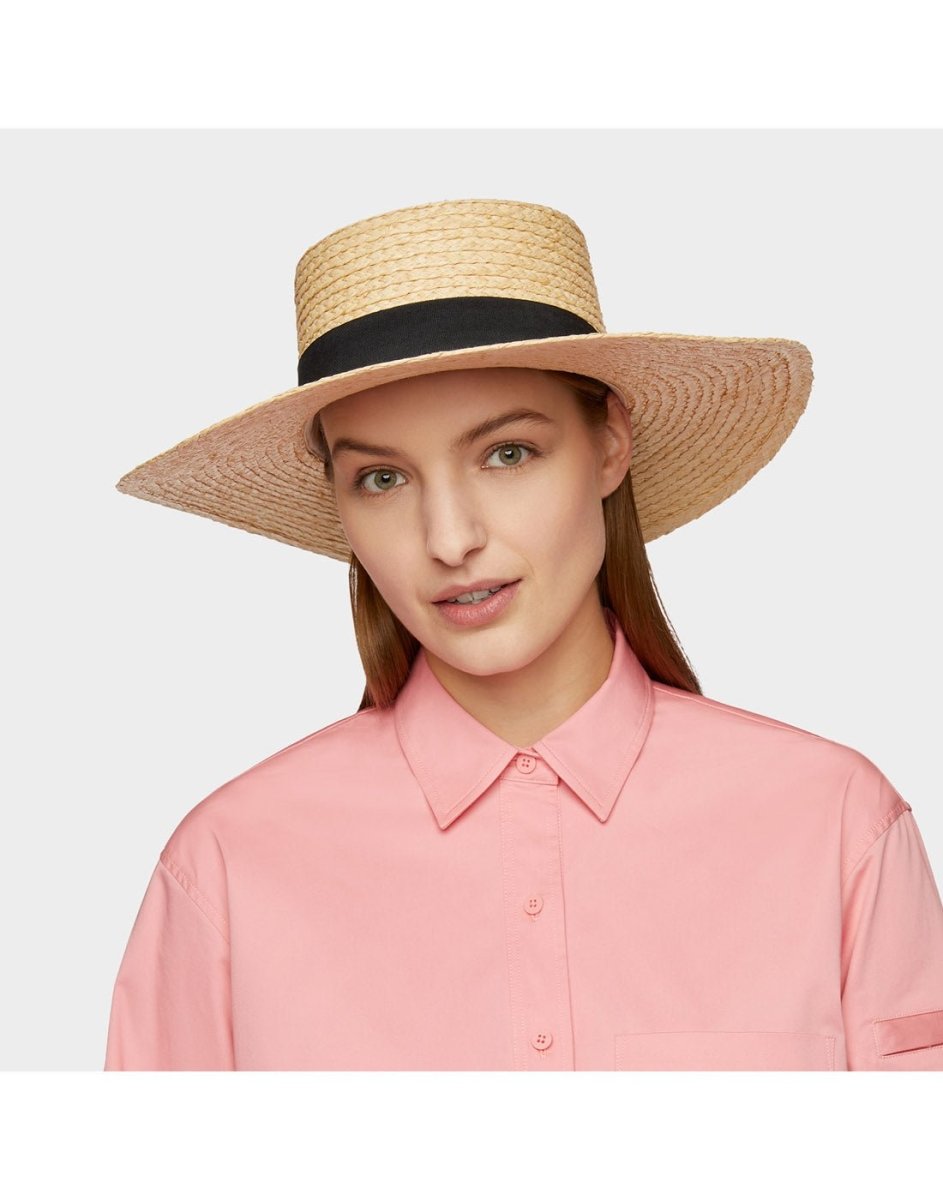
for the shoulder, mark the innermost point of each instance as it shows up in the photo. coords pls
(768, 753)
(278, 788)
(705, 720)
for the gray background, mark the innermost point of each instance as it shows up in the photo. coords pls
(147, 292)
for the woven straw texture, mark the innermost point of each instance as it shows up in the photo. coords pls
(707, 412)
(448, 248)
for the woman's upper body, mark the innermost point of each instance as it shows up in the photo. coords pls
(547, 849)
(662, 881)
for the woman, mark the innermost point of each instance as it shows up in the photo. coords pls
(536, 845)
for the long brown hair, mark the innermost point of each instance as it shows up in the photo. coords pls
(625, 584)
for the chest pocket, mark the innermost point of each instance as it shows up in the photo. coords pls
(724, 1050)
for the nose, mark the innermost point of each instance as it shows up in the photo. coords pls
(453, 526)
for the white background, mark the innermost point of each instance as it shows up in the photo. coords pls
(148, 291)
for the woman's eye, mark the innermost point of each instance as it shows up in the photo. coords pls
(382, 473)
(385, 477)
(512, 446)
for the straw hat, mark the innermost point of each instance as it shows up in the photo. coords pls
(458, 284)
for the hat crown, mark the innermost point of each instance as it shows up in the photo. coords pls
(445, 249)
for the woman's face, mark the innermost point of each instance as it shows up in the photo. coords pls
(440, 506)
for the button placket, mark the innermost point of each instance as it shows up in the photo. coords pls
(537, 959)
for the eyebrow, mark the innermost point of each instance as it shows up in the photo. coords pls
(462, 442)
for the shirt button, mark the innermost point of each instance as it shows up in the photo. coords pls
(526, 763)
(533, 904)
(540, 1041)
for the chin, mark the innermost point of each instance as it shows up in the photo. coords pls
(501, 655)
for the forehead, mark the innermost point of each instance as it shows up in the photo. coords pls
(444, 399)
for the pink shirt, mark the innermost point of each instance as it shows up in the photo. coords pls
(662, 882)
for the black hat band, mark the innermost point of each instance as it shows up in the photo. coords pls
(428, 326)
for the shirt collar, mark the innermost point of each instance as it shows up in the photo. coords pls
(455, 758)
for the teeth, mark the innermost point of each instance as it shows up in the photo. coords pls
(474, 597)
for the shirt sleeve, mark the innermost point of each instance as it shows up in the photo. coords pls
(892, 936)
(171, 1004)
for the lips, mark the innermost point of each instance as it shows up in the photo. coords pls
(480, 585)
(463, 615)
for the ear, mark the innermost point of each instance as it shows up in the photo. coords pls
(617, 443)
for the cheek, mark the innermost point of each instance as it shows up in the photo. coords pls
(366, 537)
(387, 550)
(559, 521)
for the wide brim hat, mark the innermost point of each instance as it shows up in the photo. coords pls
(460, 284)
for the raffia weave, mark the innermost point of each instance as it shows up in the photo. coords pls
(707, 412)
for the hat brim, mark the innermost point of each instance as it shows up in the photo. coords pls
(707, 413)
